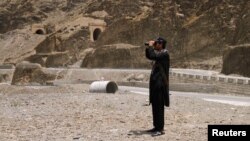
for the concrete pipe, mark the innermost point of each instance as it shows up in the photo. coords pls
(103, 87)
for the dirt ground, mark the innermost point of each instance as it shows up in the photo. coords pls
(69, 112)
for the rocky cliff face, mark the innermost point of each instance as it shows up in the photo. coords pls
(197, 31)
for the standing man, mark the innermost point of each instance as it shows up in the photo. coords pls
(159, 78)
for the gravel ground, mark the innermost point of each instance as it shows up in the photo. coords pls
(70, 113)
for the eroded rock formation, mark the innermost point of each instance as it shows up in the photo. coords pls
(236, 60)
(31, 74)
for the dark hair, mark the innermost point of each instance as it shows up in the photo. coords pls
(164, 45)
(162, 41)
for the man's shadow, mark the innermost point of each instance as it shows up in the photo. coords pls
(139, 132)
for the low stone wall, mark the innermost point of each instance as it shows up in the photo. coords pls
(217, 78)
(211, 84)
(88, 75)
(179, 80)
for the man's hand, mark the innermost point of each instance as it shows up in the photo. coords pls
(151, 43)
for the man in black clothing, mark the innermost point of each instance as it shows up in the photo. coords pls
(159, 86)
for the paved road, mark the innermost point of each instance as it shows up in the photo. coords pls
(232, 100)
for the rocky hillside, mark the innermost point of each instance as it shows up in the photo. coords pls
(198, 31)
(16, 14)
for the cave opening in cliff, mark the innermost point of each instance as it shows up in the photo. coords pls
(40, 32)
(96, 33)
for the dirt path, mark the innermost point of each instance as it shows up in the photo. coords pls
(71, 113)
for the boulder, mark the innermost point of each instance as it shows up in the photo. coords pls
(236, 60)
(31, 73)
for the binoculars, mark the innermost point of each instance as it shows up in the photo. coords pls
(147, 43)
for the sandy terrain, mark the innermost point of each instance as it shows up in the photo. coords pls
(69, 113)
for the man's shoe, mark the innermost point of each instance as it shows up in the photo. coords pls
(151, 130)
(158, 133)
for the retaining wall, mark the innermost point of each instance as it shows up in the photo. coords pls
(205, 81)
(180, 79)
